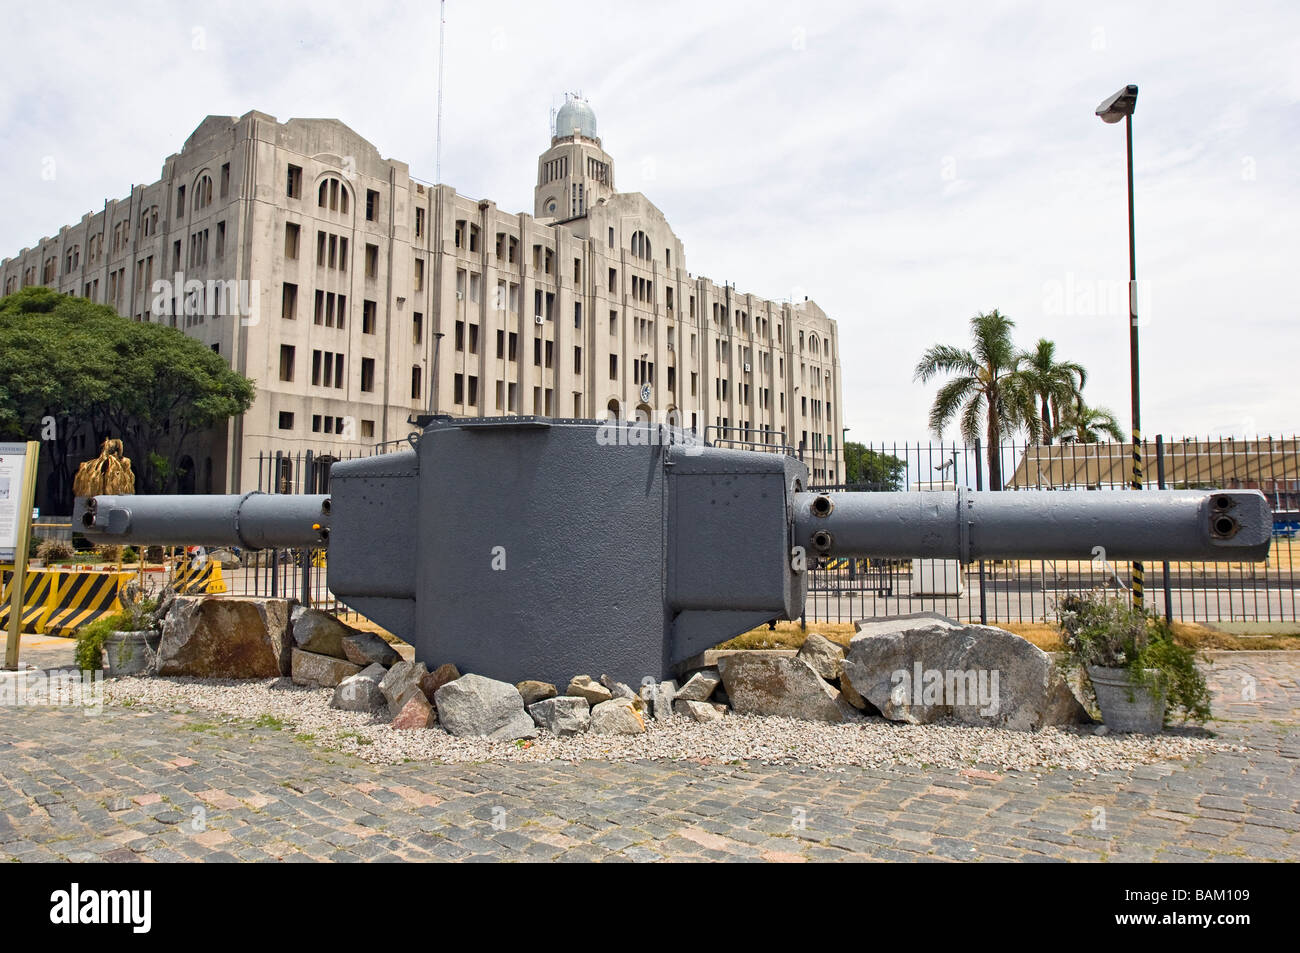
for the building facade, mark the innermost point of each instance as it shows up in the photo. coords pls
(356, 297)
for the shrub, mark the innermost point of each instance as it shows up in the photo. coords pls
(54, 550)
(90, 641)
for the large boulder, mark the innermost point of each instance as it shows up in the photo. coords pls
(320, 671)
(660, 697)
(583, 686)
(535, 691)
(704, 712)
(618, 716)
(402, 679)
(416, 713)
(929, 669)
(366, 648)
(444, 673)
(361, 692)
(226, 637)
(319, 632)
(561, 716)
(474, 705)
(823, 656)
(761, 684)
(699, 687)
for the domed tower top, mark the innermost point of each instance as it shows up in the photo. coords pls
(575, 173)
(575, 118)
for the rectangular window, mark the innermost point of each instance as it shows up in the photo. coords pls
(512, 353)
(372, 205)
(343, 307)
(286, 362)
(315, 368)
(577, 314)
(415, 382)
(460, 335)
(372, 261)
(294, 188)
(419, 222)
(471, 399)
(611, 236)
(338, 371)
(473, 338)
(289, 302)
(225, 179)
(315, 423)
(613, 367)
(368, 312)
(577, 361)
(417, 328)
(367, 428)
(458, 389)
(292, 231)
(613, 280)
(221, 239)
(286, 420)
(419, 274)
(537, 352)
(368, 374)
(501, 349)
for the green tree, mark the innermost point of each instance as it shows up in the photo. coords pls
(880, 470)
(1083, 424)
(986, 387)
(1054, 384)
(69, 366)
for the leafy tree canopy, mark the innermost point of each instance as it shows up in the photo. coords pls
(68, 363)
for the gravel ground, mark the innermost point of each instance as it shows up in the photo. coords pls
(868, 742)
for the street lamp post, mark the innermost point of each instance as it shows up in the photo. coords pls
(433, 395)
(1121, 106)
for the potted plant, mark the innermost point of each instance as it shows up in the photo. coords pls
(1137, 673)
(128, 639)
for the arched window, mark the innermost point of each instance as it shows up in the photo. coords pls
(640, 246)
(613, 410)
(202, 192)
(333, 195)
(812, 344)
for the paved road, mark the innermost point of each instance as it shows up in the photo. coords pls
(130, 785)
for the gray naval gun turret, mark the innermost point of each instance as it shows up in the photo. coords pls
(526, 547)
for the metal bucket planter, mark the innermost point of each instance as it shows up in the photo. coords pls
(130, 653)
(1125, 706)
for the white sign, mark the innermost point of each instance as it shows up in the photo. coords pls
(12, 457)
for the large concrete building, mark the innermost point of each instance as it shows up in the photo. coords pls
(356, 296)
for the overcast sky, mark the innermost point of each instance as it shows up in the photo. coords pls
(905, 165)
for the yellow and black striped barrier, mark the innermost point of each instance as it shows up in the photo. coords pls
(190, 579)
(59, 601)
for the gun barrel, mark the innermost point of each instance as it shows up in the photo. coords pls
(249, 520)
(1220, 525)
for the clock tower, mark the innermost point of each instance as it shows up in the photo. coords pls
(575, 172)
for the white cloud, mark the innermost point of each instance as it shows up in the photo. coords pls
(905, 165)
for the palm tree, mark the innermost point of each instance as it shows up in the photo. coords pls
(987, 384)
(1083, 424)
(1055, 384)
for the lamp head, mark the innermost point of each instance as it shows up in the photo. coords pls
(1122, 104)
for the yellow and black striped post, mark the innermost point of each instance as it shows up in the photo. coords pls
(1139, 580)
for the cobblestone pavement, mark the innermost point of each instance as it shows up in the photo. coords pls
(130, 785)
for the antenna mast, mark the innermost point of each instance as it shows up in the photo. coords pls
(442, 29)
